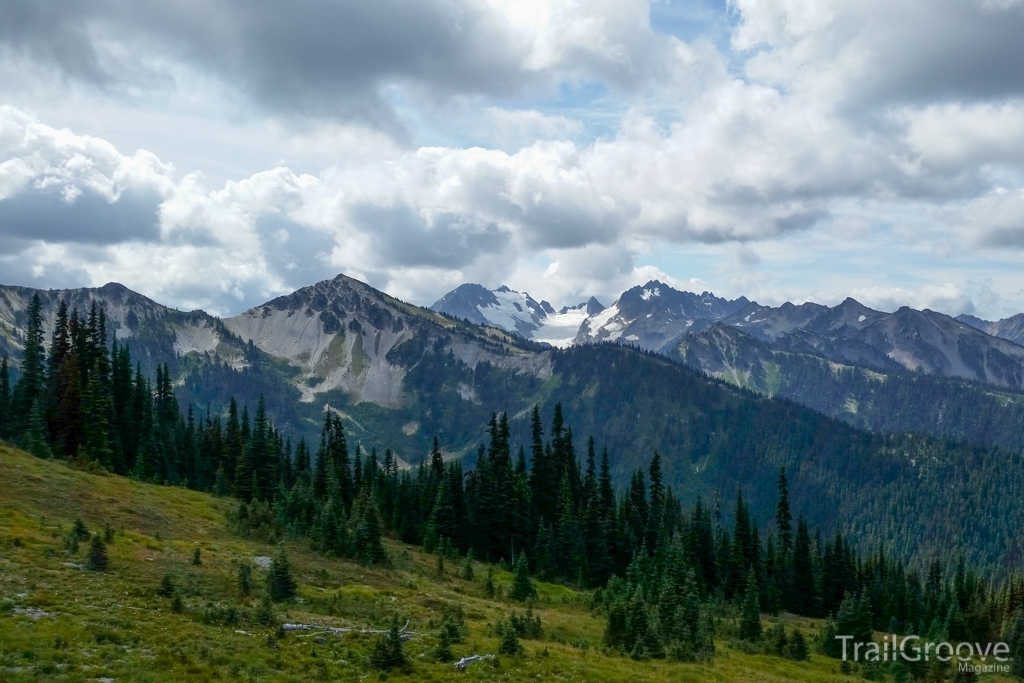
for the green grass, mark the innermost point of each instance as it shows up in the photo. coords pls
(114, 624)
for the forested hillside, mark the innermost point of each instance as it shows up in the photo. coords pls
(893, 401)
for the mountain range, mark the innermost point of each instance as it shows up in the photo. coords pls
(657, 317)
(398, 375)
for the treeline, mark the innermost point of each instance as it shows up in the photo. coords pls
(80, 400)
(661, 572)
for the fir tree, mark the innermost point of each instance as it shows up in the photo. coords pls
(245, 579)
(750, 618)
(783, 518)
(97, 560)
(778, 641)
(367, 536)
(522, 587)
(30, 384)
(797, 648)
(5, 398)
(197, 557)
(387, 651)
(489, 590)
(509, 644)
(166, 589)
(803, 599)
(280, 582)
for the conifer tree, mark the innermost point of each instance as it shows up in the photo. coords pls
(522, 587)
(244, 578)
(750, 618)
(367, 535)
(783, 518)
(5, 398)
(280, 582)
(97, 560)
(509, 644)
(657, 504)
(803, 600)
(387, 651)
(166, 589)
(797, 646)
(489, 590)
(30, 384)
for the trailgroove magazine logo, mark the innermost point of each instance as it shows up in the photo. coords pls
(913, 649)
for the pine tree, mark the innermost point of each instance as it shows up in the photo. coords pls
(244, 578)
(489, 590)
(280, 582)
(750, 618)
(777, 640)
(797, 646)
(522, 587)
(367, 536)
(509, 644)
(166, 589)
(259, 461)
(97, 560)
(30, 385)
(656, 513)
(387, 651)
(197, 557)
(783, 518)
(803, 599)
(5, 398)
(854, 619)
(444, 646)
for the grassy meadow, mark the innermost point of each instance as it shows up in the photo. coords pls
(60, 621)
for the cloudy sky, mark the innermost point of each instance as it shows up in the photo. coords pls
(215, 154)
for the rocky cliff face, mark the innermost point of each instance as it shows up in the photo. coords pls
(655, 316)
(343, 334)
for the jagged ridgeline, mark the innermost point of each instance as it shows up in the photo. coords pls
(396, 376)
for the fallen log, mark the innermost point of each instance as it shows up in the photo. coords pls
(466, 661)
(403, 633)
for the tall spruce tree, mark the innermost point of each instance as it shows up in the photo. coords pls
(750, 617)
(281, 584)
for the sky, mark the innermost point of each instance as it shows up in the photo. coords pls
(217, 154)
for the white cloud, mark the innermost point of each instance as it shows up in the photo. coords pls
(834, 127)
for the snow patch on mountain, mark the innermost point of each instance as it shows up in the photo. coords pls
(648, 293)
(561, 329)
(503, 307)
(605, 322)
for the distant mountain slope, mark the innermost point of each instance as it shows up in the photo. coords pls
(892, 401)
(503, 307)
(1011, 328)
(344, 335)
(155, 333)
(655, 315)
(850, 333)
(517, 312)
